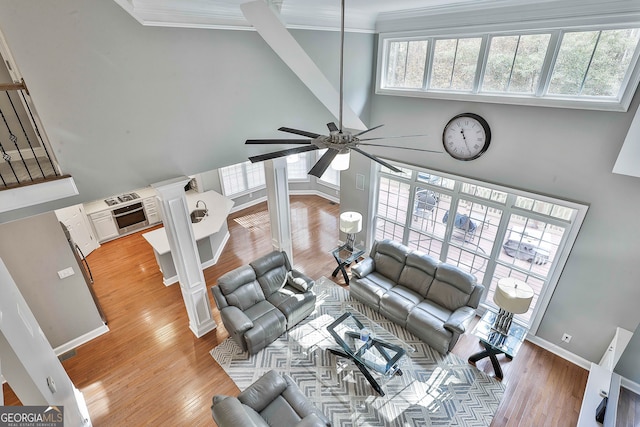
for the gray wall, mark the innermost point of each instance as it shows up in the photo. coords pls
(629, 364)
(563, 153)
(34, 249)
(126, 105)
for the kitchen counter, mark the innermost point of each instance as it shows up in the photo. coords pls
(211, 234)
(100, 205)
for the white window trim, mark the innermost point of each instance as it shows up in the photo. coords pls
(630, 83)
(568, 239)
(241, 193)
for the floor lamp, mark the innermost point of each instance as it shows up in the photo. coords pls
(512, 296)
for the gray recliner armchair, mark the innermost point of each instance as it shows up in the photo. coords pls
(271, 401)
(260, 301)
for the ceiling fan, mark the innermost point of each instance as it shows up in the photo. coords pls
(339, 141)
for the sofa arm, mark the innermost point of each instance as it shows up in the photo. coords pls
(366, 266)
(228, 411)
(460, 319)
(262, 392)
(235, 320)
(294, 275)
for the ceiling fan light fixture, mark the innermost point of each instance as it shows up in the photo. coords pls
(341, 161)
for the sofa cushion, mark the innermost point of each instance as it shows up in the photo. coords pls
(426, 321)
(271, 271)
(239, 287)
(370, 289)
(294, 305)
(269, 324)
(389, 258)
(397, 303)
(418, 272)
(280, 413)
(451, 287)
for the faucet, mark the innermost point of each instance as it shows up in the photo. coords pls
(206, 211)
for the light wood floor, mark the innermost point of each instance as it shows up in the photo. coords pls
(151, 370)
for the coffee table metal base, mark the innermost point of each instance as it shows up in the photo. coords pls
(491, 353)
(363, 368)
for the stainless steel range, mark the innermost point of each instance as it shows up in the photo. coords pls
(126, 197)
(130, 217)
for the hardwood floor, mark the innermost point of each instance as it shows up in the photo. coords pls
(151, 370)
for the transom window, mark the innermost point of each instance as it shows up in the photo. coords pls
(573, 68)
(487, 230)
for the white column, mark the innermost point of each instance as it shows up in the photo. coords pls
(278, 204)
(184, 252)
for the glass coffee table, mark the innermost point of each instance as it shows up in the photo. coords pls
(496, 342)
(358, 342)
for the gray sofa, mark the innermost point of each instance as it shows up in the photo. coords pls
(272, 400)
(435, 301)
(260, 301)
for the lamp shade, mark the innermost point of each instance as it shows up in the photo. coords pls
(513, 295)
(350, 222)
(341, 161)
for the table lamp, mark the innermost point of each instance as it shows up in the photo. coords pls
(350, 223)
(512, 296)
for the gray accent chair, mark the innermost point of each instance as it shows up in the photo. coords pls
(433, 300)
(273, 400)
(260, 301)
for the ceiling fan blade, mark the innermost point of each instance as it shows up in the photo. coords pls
(332, 127)
(368, 130)
(392, 137)
(401, 148)
(323, 164)
(285, 46)
(375, 159)
(281, 153)
(278, 141)
(312, 135)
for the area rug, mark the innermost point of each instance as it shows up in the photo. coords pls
(434, 390)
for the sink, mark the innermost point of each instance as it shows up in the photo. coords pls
(198, 215)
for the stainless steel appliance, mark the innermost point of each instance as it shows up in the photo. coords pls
(83, 265)
(130, 218)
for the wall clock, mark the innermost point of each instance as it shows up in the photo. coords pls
(466, 136)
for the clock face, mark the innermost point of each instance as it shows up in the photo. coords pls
(466, 136)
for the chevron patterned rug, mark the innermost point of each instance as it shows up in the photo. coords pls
(434, 390)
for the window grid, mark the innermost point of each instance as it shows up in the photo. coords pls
(242, 177)
(555, 67)
(515, 234)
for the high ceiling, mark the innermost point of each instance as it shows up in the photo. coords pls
(361, 15)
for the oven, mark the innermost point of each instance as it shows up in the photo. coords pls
(130, 218)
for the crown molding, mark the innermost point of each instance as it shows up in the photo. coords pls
(510, 15)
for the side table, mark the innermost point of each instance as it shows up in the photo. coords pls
(344, 257)
(496, 342)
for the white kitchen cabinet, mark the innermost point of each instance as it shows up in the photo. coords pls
(151, 210)
(104, 225)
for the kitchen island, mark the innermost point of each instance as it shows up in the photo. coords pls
(211, 234)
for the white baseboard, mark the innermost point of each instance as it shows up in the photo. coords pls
(315, 193)
(80, 340)
(559, 351)
(577, 360)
